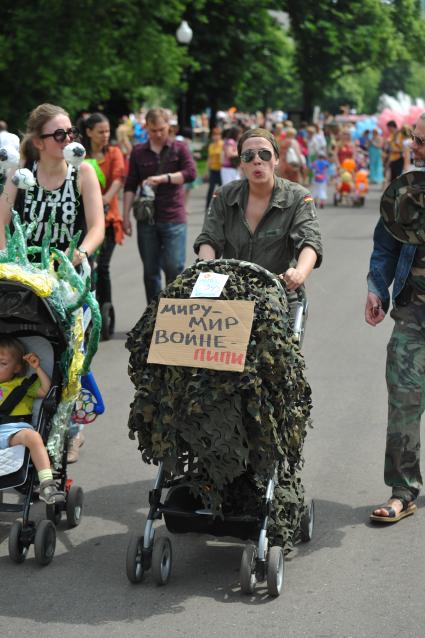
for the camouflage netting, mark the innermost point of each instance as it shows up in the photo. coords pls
(238, 426)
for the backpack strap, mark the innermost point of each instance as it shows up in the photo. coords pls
(17, 394)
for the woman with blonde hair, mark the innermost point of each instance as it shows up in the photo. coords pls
(406, 137)
(73, 194)
(291, 160)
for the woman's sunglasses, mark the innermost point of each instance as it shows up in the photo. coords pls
(419, 141)
(264, 154)
(60, 134)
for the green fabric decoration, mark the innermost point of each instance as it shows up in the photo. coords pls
(100, 174)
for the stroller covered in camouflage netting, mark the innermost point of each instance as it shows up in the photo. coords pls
(228, 444)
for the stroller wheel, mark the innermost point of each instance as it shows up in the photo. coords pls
(108, 321)
(74, 505)
(248, 576)
(307, 524)
(17, 550)
(54, 513)
(134, 564)
(45, 542)
(162, 558)
(275, 571)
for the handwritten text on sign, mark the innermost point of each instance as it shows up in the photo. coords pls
(203, 334)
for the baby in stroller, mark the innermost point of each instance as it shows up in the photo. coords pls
(17, 394)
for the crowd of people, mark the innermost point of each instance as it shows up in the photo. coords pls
(326, 158)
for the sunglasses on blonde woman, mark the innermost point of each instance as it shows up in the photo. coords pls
(60, 134)
(264, 154)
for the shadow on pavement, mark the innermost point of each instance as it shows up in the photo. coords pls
(88, 574)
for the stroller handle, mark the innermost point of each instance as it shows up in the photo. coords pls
(249, 265)
(300, 306)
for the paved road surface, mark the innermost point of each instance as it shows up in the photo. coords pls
(351, 581)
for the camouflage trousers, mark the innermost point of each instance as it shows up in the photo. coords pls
(405, 375)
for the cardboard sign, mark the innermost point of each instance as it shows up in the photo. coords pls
(209, 284)
(203, 334)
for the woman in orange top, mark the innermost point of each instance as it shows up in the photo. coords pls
(108, 162)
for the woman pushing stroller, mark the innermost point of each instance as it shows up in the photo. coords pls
(17, 393)
(263, 219)
(74, 194)
(234, 452)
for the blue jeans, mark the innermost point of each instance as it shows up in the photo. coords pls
(162, 246)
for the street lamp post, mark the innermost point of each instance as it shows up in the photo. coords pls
(184, 36)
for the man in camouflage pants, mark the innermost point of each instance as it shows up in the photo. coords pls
(398, 258)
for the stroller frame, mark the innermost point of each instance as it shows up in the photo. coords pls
(24, 531)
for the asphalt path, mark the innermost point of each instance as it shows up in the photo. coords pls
(352, 580)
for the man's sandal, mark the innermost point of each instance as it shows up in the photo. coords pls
(408, 509)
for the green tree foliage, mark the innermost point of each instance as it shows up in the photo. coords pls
(409, 25)
(80, 52)
(242, 57)
(338, 39)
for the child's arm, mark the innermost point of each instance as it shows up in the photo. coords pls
(34, 361)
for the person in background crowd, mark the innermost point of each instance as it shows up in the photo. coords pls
(230, 162)
(345, 147)
(165, 165)
(394, 152)
(376, 167)
(364, 140)
(291, 160)
(140, 132)
(215, 154)
(320, 169)
(406, 134)
(108, 162)
(124, 135)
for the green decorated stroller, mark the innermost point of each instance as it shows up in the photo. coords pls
(48, 306)
(228, 445)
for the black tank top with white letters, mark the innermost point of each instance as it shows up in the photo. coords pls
(38, 204)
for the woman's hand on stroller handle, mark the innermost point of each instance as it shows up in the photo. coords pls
(293, 278)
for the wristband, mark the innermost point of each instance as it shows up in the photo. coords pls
(83, 252)
(169, 178)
